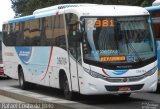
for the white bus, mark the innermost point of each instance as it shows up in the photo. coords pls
(86, 48)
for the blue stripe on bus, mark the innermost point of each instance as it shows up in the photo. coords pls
(153, 8)
(21, 19)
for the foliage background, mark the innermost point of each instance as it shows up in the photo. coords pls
(26, 7)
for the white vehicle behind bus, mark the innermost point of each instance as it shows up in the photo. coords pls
(86, 48)
(1, 62)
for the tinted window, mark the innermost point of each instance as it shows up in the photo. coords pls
(156, 23)
(54, 31)
(48, 31)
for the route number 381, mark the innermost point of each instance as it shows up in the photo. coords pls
(99, 23)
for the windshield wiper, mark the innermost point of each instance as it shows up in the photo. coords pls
(133, 49)
(116, 38)
(135, 52)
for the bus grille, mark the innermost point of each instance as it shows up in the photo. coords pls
(131, 87)
(125, 79)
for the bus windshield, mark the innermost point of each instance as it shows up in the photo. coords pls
(118, 39)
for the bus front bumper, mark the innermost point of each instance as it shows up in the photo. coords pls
(98, 86)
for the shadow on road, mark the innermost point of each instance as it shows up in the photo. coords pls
(158, 88)
(90, 100)
(4, 78)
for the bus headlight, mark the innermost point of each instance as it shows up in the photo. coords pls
(151, 72)
(94, 74)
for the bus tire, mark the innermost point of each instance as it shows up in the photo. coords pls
(23, 84)
(67, 93)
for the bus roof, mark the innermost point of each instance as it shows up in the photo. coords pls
(109, 10)
(58, 7)
(85, 10)
(92, 10)
(21, 19)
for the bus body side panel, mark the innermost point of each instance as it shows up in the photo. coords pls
(42, 65)
(10, 61)
(59, 62)
(34, 61)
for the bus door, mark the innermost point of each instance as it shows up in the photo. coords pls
(74, 56)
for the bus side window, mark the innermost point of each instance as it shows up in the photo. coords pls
(5, 28)
(31, 33)
(156, 23)
(11, 39)
(49, 40)
(156, 30)
(59, 32)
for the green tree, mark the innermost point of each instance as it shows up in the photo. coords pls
(26, 7)
(18, 6)
(32, 5)
(147, 3)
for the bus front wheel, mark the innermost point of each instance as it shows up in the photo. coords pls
(22, 82)
(67, 93)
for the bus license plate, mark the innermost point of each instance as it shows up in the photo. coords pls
(124, 88)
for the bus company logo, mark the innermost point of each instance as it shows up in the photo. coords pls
(24, 53)
(120, 72)
(125, 80)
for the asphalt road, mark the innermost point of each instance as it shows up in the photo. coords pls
(7, 82)
(4, 99)
(136, 101)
